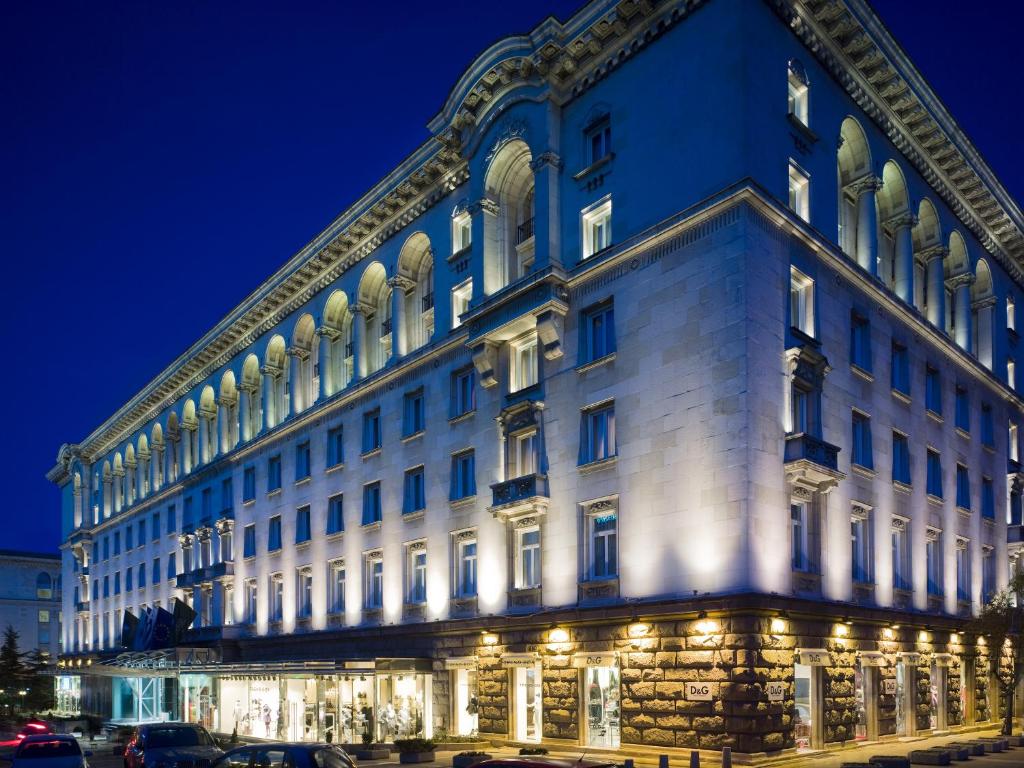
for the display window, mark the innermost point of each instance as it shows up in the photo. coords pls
(601, 705)
(526, 692)
(803, 718)
(403, 706)
(140, 700)
(465, 719)
(68, 694)
(198, 702)
(250, 706)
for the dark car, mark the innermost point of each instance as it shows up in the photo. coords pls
(286, 755)
(171, 745)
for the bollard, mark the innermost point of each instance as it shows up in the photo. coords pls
(662, 761)
(726, 757)
(695, 759)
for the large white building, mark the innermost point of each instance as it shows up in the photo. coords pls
(664, 397)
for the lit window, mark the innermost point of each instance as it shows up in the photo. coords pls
(597, 332)
(462, 232)
(527, 558)
(276, 597)
(523, 363)
(461, 296)
(466, 565)
(44, 587)
(1012, 447)
(900, 554)
(799, 192)
(1011, 313)
(335, 516)
(599, 140)
(414, 491)
(798, 91)
(933, 557)
(602, 535)
(1011, 373)
(416, 573)
(463, 482)
(463, 392)
(597, 228)
(521, 449)
(304, 592)
(862, 454)
(801, 302)
(336, 594)
(860, 542)
(374, 578)
(597, 433)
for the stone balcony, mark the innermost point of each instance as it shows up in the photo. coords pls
(206, 574)
(811, 461)
(520, 495)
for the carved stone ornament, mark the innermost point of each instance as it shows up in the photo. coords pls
(932, 534)
(961, 544)
(376, 554)
(601, 506)
(483, 205)
(545, 159)
(549, 333)
(465, 536)
(508, 130)
(485, 360)
(899, 524)
(526, 522)
(417, 546)
(804, 494)
(859, 512)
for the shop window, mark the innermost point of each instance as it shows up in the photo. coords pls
(463, 392)
(414, 493)
(528, 558)
(596, 224)
(597, 433)
(523, 363)
(335, 514)
(335, 446)
(461, 296)
(465, 702)
(336, 587)
(801, 302)
(601, 705)
(416, 573)
(527, 698)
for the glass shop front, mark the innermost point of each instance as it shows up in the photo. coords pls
(67, 695)
(143, 699)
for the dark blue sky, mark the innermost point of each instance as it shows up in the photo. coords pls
(160, 159)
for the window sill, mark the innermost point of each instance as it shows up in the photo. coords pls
(274, 551)
(334, 467)
(465, 501)
(902, 487)
(990, 448)
(863, 471)
(936, 417)
(598, 363)
(275, 492)
(802, 127)
(903, 397)
(303, 544)
(303, 481)
(595, 166)
(368, 527)
(803, 336)
(862, 372)
(963, 511)
(963, 433)
(248, 558)
(333, 535)
(936, 500)
(413, 436)
(409, 517)
(462, 417)
(596, 466)
(460, 254)
(370, 454)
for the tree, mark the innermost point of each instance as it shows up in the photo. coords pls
(1001, 621)
(12, 670)
(39, 682)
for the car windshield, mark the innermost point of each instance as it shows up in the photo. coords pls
(158, 738)
(39, 750)
(331, 757)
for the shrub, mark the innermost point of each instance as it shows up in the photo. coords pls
(533, 751)
(405, 746)
(471, 754)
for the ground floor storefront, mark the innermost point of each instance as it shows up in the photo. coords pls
(755, 677)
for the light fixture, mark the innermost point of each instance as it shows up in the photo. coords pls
(954, 638)
(638, 629)
(841, 630)
(490, 638)
(981, 641)
(558, 635)
(923, 636)
(706, 627)
(778, 625)
(888, 634)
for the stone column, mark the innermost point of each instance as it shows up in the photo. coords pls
(400, 286)
(204, 436)
(903, 226)
(547, 168)
(187, 459)
(244, 404)
(961, 285)
(485, 265)
(867, 222)
(296, 385)
(108, 496)
(360, 363)
(327, 383)
(270, 416)
(936, 288)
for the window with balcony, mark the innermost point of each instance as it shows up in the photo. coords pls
(860, 544)
(304, 592)
(900, 554)
(414, 491)
(273, 474)
(799, 191)
(798, 92)
(249, 540)
(521, 450)
(900, 369)
(373, 590)
(335, 514)
(528, 557)
(463, 482)
(933, 481)
(597, 433)
(372, 437)
(596, 223)
(963, 487)
(523, 363)
(302, 462)
(335, 446)
(801, 302)
(413, 413)
(303, 531)
(274, 534)
(336, 586)
(933, 555)
(463, 392)
(932, 390)
(597, 332)
(416, 573)
(862, 452)
(371, 503)
(465, 565)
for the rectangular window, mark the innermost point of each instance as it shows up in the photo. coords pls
(304, 592)
(172, 519)
(900, 458)
(155, 572)
(988, 574)
(900, 555)
(988, 430)
(117, 583)
(416, 574)
(797, 92)
(155, 527)
(106, 586)
(1011, 373)
(128, 580)
(1011, 313)
(129, 538)
(862, 453)
(117, 543)
(528, 558)
(372, 439)
(599, 140)
(142, 575)
(597, 228)
(227, 494)
(963, 487)
(249, 540)
(276, 597)
(988, 499)
(250, 601)
(249, 484)
(860, 341)
(335, 514)
(461, 296)
(274, 534)
(523, 363)
(413, 417)
(106, 547)
(801, 302)
(1013, 444)
(597, 332)
(302, 527)
(373, 589)
(335, 446)
(604, 548)
(463, 484)
(933, 555)
(900, 368)
(963, 570)
(933, 390)
(597, 433)
(522, 452)
(273, 473)
(963, 410)
(371, 503)
(414, 493)
(463, 392)
(172, 566)
(206, 504)
(801, 537)
(860, 543)
(142, 532)
(799, 192)
(336, 590)
(466, 565)
(302, 460)
(934, 479)
(462, 232)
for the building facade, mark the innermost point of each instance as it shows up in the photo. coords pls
(665, 397)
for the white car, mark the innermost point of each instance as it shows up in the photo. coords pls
(50, 750)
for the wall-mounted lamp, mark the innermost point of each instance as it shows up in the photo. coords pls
(778, 625)
(489, 638)
(558, 635)
(841, 630)
(981, 641)
(954, 638)
(638, 629)
(923, 636)
(706, 627)
(888, 633)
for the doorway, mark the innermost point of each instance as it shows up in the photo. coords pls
(465, 720)
(906, 683)
(808, 730)
(526, 705)
(937, 708)
(866, 692)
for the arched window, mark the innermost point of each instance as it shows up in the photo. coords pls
(338, 322)
(375, 302)
(416, 270)
(799, 91)
(854, 166)
(305, 388)
(44, 587)
(508, 241)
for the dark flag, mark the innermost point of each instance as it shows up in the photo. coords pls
(129, 625)
(183, 618)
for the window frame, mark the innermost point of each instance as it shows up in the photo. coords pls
(598, 215)
(603, 311)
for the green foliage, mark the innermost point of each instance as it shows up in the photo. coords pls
(533, 751)
(406, 746)
(1001, 622)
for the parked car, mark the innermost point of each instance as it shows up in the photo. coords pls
(34, 727)
(286, 755)
(49, 750)
(171, 745)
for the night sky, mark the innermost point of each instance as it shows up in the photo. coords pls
(161, 159)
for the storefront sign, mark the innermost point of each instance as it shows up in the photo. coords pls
(814, 657)
(698, 691)
(511, 660)
(598, 659)
(460, 662)
(909, 657)
(872, 659)
(889, 686)
(776, 692)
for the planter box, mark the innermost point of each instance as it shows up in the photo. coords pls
(465, 761)
(415, 757)
(373, 753)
